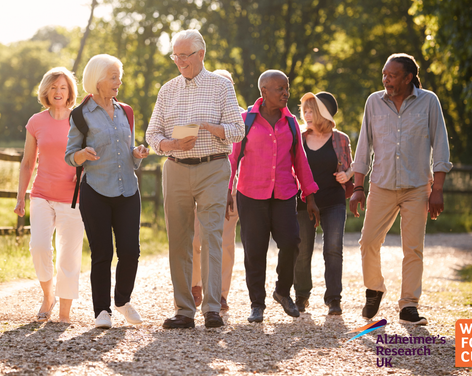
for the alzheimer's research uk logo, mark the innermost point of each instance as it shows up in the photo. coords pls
(464, 343)
(368, 328)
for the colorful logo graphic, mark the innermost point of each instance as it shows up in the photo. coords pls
(368, 328)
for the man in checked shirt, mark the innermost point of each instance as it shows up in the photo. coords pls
(197, 171)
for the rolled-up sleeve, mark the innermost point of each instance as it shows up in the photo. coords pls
(231, 119)
(439, 141)
(155, 132)
(74, 143)
(364, 148)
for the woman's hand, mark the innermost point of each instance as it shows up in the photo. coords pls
(140, 152)
(341, 177)
(20, 207)
(229, 204)
(86, 154)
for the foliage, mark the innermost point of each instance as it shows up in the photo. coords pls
(446, 48)
(338, 46)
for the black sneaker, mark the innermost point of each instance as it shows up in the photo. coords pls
(301, 303)
(335, 307)
(372, 303)
(409, 315)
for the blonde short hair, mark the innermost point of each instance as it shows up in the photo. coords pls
(48, 80)
(321, 124)
(96, 71)
(198, 43)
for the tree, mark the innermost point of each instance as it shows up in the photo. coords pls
(22, 66)
(446, 47)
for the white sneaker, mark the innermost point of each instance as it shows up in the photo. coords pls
(130, 314)
(103, 320)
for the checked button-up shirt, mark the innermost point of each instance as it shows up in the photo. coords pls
(206, 98)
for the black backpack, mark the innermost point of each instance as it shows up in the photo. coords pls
(79, 121)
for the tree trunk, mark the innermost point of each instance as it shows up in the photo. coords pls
(84, 37)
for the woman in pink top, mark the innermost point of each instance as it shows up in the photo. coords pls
(51, 195)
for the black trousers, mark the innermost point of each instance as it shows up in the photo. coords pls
(260, 218)
(102, 217)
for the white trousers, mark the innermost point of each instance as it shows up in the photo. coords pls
(47, 216)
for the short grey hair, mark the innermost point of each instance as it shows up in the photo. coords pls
(198, 43)
(96, 71)
(268, 75)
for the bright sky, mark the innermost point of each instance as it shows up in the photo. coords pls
(20, 19)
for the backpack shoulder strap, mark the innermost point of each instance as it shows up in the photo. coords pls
(129, 114)
(248, 122)
(79, 121)
(293, 129)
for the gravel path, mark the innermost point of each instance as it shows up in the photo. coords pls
(314, 344)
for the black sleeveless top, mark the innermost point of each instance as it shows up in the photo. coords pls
(324, 163)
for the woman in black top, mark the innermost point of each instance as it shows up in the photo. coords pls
(329, 155)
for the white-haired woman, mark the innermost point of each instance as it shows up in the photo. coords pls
(51, 195)
(109, 195)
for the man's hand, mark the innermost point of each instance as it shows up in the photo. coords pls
(140, 152)
(357, 197)
(215, 129)
(436, 203)
(186, 144)
(312, 209)
(229, 204)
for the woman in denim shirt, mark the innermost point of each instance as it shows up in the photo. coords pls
(329, 155)
(109, 196)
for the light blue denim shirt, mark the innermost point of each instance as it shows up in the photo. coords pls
(113, 174)
(408, 145)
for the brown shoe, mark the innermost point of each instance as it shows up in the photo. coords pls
(179, 321)
(213, 320)
(224, 304)
(197, 295)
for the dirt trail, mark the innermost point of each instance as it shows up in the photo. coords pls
(313, 344)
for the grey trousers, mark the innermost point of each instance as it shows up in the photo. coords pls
(184, 185)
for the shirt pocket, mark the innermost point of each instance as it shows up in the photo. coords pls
(380, 125)
(417, 124)
(98, 138)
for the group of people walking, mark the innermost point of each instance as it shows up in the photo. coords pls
(281, 179)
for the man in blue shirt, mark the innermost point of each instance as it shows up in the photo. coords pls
(403, 127)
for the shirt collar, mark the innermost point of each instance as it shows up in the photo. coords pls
(92, 105)
(414, 94)
(198, 79)
(257, 105)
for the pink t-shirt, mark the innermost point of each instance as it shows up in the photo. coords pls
(54, 180)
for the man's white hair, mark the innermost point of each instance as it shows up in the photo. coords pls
(198, 43)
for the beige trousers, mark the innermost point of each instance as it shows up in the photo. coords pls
(229, 234)
(205, 184)
(383, 206)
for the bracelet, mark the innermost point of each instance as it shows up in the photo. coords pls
(358, 188)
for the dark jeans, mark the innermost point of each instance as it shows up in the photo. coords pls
(102, 217)
(332, 222)
(260, 218)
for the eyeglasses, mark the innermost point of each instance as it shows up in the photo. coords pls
(182, 57)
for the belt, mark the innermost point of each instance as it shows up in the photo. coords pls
(195, 161)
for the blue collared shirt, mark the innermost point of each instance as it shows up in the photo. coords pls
(113, 174)
(408, 145)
